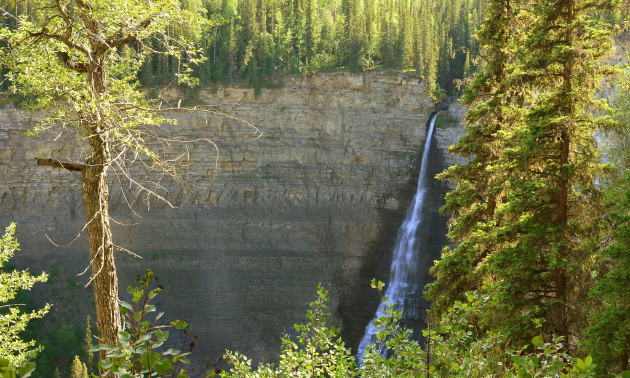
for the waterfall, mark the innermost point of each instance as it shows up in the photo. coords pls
(402, 278)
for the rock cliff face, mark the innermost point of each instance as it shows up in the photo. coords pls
(318, 198)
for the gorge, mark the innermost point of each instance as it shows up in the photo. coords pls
(318, 198)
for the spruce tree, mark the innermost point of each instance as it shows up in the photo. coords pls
(526, 211)
(551, 216)
(472, 205)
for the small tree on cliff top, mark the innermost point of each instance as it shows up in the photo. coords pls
(76, 61)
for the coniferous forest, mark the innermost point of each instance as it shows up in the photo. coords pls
(535, 279)
(261, 40)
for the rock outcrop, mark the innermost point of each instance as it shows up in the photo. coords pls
(318, 198)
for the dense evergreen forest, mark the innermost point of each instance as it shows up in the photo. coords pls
(259, 40)
(263, 39)
(536, 281)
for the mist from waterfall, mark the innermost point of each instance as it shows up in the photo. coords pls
(402, 279)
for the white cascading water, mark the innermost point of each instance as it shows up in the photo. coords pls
(402, 277)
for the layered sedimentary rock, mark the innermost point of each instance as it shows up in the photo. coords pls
(317, 198)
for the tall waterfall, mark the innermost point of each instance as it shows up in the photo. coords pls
(402, 278)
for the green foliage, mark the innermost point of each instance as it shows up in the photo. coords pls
(140, 351)
(457, 348)
(609, 333)
(78, 370)
(12, 321)
(526, 212)
(10, 370)
(59, 343)
(265, 40)
(317, 353)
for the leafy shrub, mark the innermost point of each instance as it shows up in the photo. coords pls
(12, 321)
(455, 347)
(455, 350)
(140, 351)
(320, 352)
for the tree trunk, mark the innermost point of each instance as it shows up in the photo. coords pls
(562, 328)
(96, 205)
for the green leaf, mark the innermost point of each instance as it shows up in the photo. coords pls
(98, 347)
(148, 359)
(179, 324)
(625, 374)
(580, 364)
(588, 360)
(4, 362)
(137, 296)
(154, 292)
(556, 366)
(520, 360)
(26, 370)
(106, 364)
(132, 289)
(163, 366)
(161, 335)
(149, 308)
(172, 351)
(538, 341)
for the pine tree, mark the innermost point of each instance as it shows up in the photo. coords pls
(609, 332)
(232, 54)
(57, 375)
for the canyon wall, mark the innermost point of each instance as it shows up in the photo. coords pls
(317, 198)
